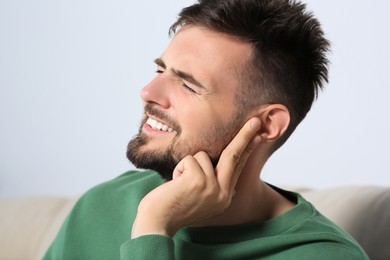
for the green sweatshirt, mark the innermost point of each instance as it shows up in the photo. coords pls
(99, 227)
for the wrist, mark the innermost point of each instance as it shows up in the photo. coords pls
(147, 225)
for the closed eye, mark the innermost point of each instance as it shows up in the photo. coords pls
(189, 88)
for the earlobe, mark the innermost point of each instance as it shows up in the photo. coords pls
(275, 119)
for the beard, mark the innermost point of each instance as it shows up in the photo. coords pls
(164, 161)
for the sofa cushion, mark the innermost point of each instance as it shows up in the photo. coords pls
(29, 225)
(364, 212)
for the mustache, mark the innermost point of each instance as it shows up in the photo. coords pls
(151, 110)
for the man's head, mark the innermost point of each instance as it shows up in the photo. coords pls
(288, 64)
(237, 57)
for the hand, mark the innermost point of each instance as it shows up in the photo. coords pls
(197, 190)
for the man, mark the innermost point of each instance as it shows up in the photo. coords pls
(231, 87)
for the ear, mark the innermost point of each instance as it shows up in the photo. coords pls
(275, 119)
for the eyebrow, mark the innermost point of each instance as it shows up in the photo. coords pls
(181, 74)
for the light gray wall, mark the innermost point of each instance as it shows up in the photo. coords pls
(71, 71)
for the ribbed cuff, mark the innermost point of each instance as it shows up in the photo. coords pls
(148, 247)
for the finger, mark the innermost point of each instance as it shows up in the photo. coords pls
(242, 162)
(236, 153)
(205, 163)
(188, 165)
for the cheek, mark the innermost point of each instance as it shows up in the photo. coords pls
(194, 118)
(216, 138)
(207, 125)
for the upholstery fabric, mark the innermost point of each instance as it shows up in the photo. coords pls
(28, 225)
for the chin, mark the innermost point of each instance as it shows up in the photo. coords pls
(141, 156)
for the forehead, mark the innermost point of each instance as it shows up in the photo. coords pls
(213, 58)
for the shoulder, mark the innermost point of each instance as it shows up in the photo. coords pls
(314, 236)
(117, 198)
(128, 182)
(127, 189)
(324, 250)
(104, 214)
(324, 239)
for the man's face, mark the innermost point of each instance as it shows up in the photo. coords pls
(190, 106)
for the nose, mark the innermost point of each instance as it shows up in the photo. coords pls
(156, 92)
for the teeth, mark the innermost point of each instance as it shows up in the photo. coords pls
(158, 125)
(153, 123)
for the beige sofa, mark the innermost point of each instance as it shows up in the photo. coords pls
(28, 225)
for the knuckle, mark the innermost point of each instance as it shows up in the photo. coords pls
(248, 149)
(210, 192)
(198, 184)
(235, 156)
(224, 200)
(238, 169)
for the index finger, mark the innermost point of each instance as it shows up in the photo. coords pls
(234, 156)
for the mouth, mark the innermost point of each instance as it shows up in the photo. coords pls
(159, 126)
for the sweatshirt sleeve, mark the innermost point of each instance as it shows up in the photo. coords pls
(148, 247)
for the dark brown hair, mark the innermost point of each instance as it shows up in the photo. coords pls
(289, 64)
